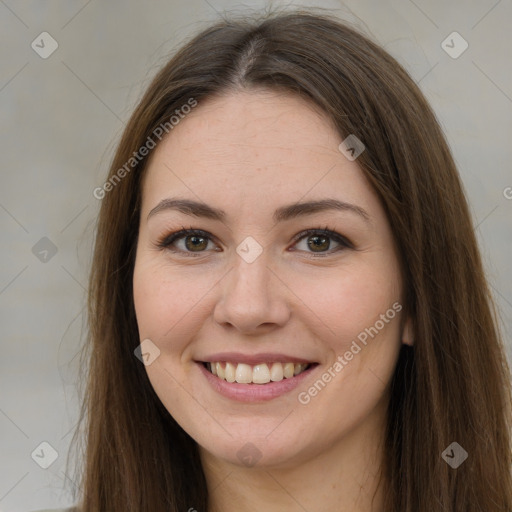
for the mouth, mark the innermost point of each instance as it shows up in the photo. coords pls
(255, 378)
(259, 374)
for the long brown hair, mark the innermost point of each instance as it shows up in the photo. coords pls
(453, 385)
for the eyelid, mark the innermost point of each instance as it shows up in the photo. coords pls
(166, 241)
(338, 237)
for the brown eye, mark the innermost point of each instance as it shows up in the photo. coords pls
(196, 243)
(186, 241)
(318, 242)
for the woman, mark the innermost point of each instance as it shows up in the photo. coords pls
(287, 305)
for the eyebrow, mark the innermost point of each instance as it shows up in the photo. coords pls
(199, 209)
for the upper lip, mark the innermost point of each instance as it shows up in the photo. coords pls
(253, 359)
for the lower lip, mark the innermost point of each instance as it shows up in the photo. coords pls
(254, 392)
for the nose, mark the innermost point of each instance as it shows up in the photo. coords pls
(252, 298)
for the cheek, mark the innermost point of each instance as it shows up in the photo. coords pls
(350, 299)
(152, 300)
(166, 307)
(170, 303)
(359, 311)
(360, 325)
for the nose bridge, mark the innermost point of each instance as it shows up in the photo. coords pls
(251, 276)
(251, 294)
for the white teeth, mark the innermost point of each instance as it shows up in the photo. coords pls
(258, 374)
(221, 373)
(230, 374)
(288, 370)
(243, 373)
(276, 372)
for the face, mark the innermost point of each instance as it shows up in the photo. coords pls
(263, 282)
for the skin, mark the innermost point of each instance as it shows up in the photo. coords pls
(248, 153)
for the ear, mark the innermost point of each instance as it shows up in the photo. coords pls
(407, 332)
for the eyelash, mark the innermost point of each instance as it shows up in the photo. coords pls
(168, 240)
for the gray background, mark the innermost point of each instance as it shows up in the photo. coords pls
(61, 117)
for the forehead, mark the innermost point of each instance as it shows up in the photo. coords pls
(260, 146)
(244, 123)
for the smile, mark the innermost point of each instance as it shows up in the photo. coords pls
(256, 377)
(262, 373)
